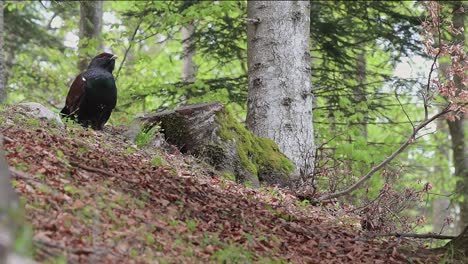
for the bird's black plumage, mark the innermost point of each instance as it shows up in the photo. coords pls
(93, 93)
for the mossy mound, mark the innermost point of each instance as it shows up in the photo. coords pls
(210, 132)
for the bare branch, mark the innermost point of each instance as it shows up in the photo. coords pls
(97, 170)
(402, 147)
(130, 43)
(421, 236)
(428, 85)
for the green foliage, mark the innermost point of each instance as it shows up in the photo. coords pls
(71, 189)
(145, 136)
(192, 225)
(57, 260)
(130, 150)
(233, 254)
(158, 161)
(149, 238)
(303, 203)
(23, 242)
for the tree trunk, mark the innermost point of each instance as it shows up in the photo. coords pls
(359, 97)
(3, 92)
(359, 91)
(188, 65)
(460, 162)
(90, 31)
(441, 204)
(6, 236)
(279, 104)
(11, 215)
(9, 207)
(457, 130)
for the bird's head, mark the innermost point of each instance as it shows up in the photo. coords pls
(104, 60)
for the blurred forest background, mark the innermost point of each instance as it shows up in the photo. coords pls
(368, 65)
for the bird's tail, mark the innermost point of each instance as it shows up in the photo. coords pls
(65, 112)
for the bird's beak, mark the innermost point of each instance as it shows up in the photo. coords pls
(114, 57)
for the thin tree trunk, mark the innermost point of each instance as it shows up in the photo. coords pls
(460, 162)
(90, 31)
(3, 91)
(359, 96)
(441, 204)
(360, 89)
(189, 69)
(279, 104)
(457, 131)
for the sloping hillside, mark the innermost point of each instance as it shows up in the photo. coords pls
(95, 196)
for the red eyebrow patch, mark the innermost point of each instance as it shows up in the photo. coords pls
(104, 55)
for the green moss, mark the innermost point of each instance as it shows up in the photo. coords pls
(258, 155)
(32, 122)
(229, 176)
(56, 260)
(158, 161)
(130, 150)
(22, 230)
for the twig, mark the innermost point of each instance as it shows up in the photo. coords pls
(252, 20)
(97, 170)
(434, 62)
(130, 45)
(368, 204)
(7, 139)
(127, 50)
(421, 236)
(24, 176)
(423, 135)
(42, 4)
(67, 249)
(6, 129)
(404, 110)
(92, 169)
(439, 194)
(394, 214)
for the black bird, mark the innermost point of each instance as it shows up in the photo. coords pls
(93, 94)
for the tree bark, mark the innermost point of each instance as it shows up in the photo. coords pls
(279, 104)
(457, 130)
(441, 204)
(189, 69)
(460, 162)
(90, 31)
(359, 91)
(11, 215)
(8, 200)
(3, 91)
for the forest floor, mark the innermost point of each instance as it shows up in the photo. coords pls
(95, 197)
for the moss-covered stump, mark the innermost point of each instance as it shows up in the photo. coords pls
(210, 132)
